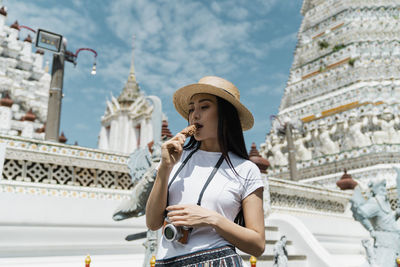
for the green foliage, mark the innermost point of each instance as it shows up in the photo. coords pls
(323, 44)
(338, 47)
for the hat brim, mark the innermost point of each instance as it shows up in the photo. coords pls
(182, 97)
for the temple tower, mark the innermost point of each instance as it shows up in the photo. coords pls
(126, 124)
(24, 83)
(342, 96)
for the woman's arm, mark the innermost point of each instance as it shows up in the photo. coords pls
(250, 239)
(157, 201)
(171, 151)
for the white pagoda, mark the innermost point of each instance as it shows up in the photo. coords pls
(24, 84)
(342, 96)
(126, 123)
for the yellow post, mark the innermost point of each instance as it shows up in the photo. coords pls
(253, 261)
(153, 261)
(398, 262)
(87, 261)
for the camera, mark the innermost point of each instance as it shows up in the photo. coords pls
(175, 233)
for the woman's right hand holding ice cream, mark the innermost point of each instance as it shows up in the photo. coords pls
(171, 150)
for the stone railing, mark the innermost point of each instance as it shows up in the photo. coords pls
(300, 197)
(359, 11)
(335, 164)
(323, 11)
(368, 91)
(34, 161)
(345, 34)
(294, 196)
(330, 8)
(344, 76)
(386, 52)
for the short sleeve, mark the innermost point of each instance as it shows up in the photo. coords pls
(253, 180)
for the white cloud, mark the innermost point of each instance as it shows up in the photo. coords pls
(180, 40)
(273, 85)
(77, 3)
(63, 20)
(81, 126)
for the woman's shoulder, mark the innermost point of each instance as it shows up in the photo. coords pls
(244, 166)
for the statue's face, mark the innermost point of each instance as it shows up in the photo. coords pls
(387, 116)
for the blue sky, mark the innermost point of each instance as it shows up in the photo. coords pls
(250, 43)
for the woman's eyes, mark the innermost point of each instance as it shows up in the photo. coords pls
(203, 107)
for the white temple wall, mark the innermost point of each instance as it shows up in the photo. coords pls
(2, 21)
(114, 132)
(150, 135)
(143, 133)
(132, 135)
(5, 118)
(64, 226)
(121, 141)
(123, 138)
(103, 139)
(27, 130)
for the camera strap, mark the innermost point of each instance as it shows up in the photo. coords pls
(214, 171)
(181, 167)
(239, 218)
(221, 159)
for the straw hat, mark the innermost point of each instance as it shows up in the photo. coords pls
(215, 86)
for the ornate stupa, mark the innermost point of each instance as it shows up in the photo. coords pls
(127, 122)
(24, 83)
(342, 97)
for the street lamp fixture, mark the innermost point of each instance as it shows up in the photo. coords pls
(54, 43)
(26, 27)
(49, 41)
(72, 57)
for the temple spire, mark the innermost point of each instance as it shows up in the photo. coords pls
(131, 88)
(132, 76)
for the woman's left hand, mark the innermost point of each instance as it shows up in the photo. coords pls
(191, 215)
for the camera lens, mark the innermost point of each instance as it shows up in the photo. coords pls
(169, 233)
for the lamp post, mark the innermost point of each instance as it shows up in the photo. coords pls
(291, 151)
(285, 128)
(57, 45)
(55, 96)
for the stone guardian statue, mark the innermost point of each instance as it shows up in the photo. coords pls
(376, 215)
(280, 253)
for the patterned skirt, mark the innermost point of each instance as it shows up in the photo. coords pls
(225, 256)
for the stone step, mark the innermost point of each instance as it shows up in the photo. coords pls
(269, 247)
(272, 235)
(346, 260)
(271, 228)
(344, 248)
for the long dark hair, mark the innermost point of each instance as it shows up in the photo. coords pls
(230, 133)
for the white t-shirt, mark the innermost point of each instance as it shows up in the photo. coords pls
(224, 194)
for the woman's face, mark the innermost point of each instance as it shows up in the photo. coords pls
(203, 111)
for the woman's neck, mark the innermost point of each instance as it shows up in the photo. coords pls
(210, 145)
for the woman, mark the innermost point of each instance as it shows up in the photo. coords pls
(213, 171)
